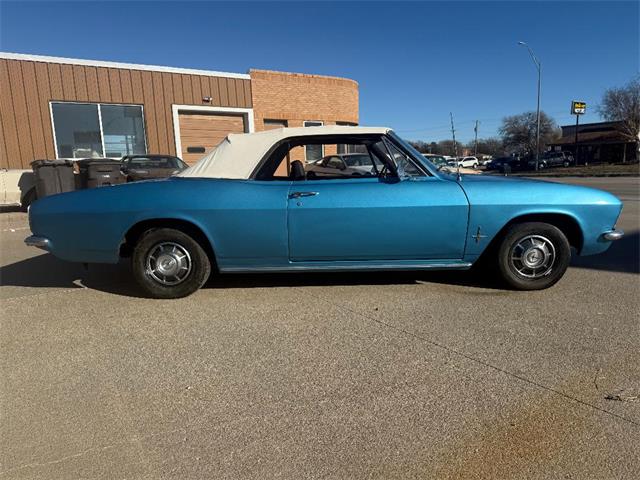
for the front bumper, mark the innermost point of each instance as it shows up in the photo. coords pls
(612, 235)
(37, 241)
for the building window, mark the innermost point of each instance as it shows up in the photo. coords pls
(344, 148)
(122, 130)
(86, 130)
(273, 124)
(313, 152)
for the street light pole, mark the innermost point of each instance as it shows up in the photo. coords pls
(539, 67)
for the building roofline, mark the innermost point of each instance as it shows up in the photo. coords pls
(608, 122)
(303, 75)
(126, 66)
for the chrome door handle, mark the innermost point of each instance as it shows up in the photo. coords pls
(303, 194)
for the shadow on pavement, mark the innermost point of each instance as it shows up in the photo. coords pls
(46, 271)
(622, 256)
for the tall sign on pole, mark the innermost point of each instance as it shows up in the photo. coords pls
(577, 109)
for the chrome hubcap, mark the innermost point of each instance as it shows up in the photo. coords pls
(533, 256)
(168, 263)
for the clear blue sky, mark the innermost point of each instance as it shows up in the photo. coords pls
(415, 61)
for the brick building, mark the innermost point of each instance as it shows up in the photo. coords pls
(600, 142)
(68, 108)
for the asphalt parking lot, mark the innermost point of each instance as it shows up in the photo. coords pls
(394, 375)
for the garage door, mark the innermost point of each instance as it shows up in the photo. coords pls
(201, 132)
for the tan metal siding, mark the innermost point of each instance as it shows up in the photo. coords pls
(103, 84)
(44, 94)
(93, 92)
(150, 113)
(68, 87)
(167, 86)
(27, 87)
(33, 110)
(178, 95)
(186, 88)
(136, 86)
(125, 83)
(80, 82)
(20, 107)
(114, 83)
(196, 89)
(10, 133)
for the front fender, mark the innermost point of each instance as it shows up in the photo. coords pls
(494, 204)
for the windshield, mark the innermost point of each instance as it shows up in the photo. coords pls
(415, 154)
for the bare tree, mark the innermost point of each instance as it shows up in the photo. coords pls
(518, 132)
(623, 104)
(446, 147)
(489, 146)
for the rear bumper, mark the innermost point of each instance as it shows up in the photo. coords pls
(612, 235)
(37, 241)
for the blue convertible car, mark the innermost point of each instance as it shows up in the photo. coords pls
(249, 206)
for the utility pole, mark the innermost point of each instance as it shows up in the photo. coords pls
(575, 142)
(539, 67)
(475, 143)
(455, 146)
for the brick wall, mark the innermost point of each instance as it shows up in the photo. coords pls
(296, 97)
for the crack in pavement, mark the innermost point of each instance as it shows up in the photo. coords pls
(482, 362)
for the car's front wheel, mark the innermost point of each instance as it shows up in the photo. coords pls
(168, 263)
(533, 256)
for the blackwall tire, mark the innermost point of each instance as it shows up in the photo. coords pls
(533, 256)
(168, 263)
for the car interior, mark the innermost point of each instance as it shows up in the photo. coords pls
(327, 158)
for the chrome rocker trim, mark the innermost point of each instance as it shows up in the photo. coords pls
(349, 267)
(612, 235)
(36, 241)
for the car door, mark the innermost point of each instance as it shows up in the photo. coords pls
(364, 219)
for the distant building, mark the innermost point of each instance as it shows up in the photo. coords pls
(54, 107)
(597, 142)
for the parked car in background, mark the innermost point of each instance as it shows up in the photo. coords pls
(235, 212)
(144, 167)
(507, 165)
(440, 162)
(557, 159)
(344, 164)
(469, 162)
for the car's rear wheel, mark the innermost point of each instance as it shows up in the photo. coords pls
(533, 256)
(168, 263)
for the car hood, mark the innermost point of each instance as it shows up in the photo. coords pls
(483, 189)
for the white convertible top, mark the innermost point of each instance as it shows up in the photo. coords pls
(239, 153)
